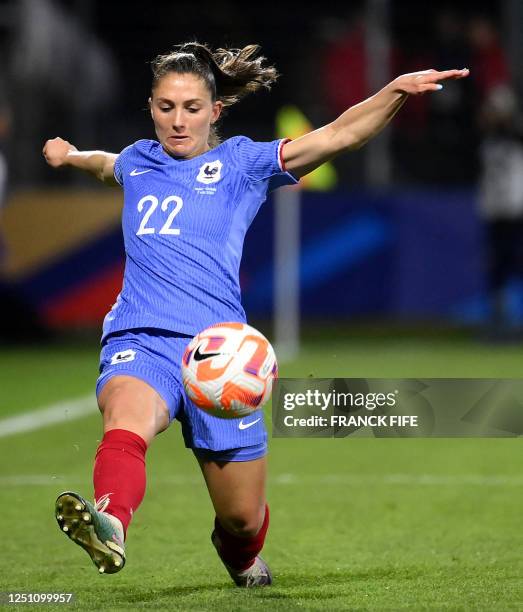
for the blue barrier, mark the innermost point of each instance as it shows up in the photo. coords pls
(409, 254)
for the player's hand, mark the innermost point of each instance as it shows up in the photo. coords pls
(56, 150)
(416, 83)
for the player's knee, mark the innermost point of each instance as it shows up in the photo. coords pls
(118, 413)
(243, 522)
(118, 416)
(116, 402)
(123, 408)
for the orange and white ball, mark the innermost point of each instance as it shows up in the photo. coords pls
(228, 370)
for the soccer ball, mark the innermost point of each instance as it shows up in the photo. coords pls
(228, 369)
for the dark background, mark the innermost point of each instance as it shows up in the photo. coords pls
(401, 237)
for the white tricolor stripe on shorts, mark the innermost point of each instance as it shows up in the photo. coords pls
(53, 414)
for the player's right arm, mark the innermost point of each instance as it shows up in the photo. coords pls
(59, 153)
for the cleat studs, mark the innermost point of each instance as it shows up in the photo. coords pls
(86, 517)
(65, 528)
(75, 521)
(60, 506)
(78, 507)
(101, 569)
(59, 517)
(117, 563)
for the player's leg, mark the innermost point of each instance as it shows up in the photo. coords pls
(129, 403)
(237, 490)
(232, 456)
(133, 413)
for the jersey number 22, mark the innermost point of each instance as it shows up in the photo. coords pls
(166, 227)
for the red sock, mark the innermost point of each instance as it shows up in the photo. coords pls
(119, 473)
(239, 552)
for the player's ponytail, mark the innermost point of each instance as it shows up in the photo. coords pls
(229, 74)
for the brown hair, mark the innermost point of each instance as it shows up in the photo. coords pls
(229, 74)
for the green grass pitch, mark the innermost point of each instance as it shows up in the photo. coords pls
(356, 524)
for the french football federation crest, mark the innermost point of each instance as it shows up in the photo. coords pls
(210, 172)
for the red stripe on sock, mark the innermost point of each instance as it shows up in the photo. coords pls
(119, 473)
(239, 552)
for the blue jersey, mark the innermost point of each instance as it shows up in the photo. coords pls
(184, 222)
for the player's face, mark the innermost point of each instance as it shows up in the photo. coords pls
(183, 112)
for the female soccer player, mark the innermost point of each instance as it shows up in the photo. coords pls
(188, 201)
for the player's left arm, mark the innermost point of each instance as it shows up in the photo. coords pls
(360, 122)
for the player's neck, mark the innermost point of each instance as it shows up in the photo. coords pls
(187, 157)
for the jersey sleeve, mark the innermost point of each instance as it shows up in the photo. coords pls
(263, 161)
(118, 174)
(120, 165)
